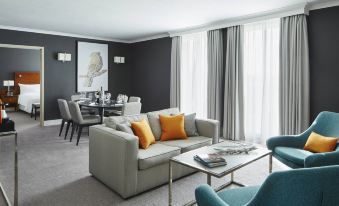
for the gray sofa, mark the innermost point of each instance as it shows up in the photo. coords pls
(116, 159)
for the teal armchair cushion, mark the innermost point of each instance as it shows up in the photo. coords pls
(294, 155)
(307, 186)
(327, 124)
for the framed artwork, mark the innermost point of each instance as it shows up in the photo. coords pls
(92, 71)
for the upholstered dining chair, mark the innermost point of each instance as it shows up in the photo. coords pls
(289, 148)
(79, 121)
(129, 108)
(65, 116)
(307, 186)
(84, 111)
(134, 99)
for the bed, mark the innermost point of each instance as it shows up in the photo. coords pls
(27, 86)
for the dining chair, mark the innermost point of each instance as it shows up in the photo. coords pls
(65, 115)
(84, 111)
(79, 121)
(134, 99)
(129, 108)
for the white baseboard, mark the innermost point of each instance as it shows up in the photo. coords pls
(52, 122)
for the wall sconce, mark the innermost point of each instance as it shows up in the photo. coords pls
(119, 60)
(64, 57)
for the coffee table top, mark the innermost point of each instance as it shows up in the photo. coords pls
(234, 161)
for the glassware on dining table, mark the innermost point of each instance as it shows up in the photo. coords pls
(90, 96)
(108, 97)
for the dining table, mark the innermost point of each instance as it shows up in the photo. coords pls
(101, 106)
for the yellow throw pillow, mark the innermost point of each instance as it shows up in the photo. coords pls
(172, 127)
(144, 133)
(318, 143)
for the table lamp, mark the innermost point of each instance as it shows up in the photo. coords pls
(8, 84)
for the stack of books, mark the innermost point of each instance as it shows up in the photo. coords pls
(210, 160)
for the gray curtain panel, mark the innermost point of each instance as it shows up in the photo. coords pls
(294, 75)
(233, 124)
(175, 72)
(215, 75)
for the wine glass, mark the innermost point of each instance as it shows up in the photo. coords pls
(108, 97)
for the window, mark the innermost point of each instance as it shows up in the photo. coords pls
(261, 80)
(194, 74)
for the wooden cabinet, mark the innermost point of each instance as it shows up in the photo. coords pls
(10, 101)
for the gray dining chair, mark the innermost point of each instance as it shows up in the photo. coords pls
(134, 99)
(84, 111)
(131, 108)
(79, 121)
(65, 116)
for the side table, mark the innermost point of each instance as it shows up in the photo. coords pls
(10, 100)
(35, 108)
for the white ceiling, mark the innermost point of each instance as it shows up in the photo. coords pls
(127, 20)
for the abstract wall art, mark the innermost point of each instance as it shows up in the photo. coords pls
(92, 72)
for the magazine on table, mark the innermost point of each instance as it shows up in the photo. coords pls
(210, 160)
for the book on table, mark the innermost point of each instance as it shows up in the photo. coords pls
(210, 160)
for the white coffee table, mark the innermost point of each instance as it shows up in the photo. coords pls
(234, 162)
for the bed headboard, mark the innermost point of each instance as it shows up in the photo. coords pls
(25, 78)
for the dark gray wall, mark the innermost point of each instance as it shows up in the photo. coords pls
(151, 73)
(22, 60)
(323, 28)
(60, 78)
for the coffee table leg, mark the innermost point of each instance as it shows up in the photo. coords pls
(170, 184)
(232, 177)
(270, 164)
(209, 179)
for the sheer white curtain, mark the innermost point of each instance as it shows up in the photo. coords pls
(193, 82)
(261, 80)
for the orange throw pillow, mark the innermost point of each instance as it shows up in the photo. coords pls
(318, 143)
(144, 133)
(172, 127)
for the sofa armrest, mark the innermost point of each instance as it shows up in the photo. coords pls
(322, 159)
(113, 158)
(208, 128)
(285, 141)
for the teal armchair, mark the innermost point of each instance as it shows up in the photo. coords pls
(289, 149)
(307, 186)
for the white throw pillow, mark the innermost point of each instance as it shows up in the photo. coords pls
(29, 88)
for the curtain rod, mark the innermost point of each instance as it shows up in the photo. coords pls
(277, 13)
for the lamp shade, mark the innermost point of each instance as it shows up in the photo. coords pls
(8, 83)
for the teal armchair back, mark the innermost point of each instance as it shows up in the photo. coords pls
(327, 124)
(307, 186)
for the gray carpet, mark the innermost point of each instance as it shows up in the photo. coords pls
(53, 171)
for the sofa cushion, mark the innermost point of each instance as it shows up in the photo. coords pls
(114, 120)
(172, 127)
(153, 118)
(238, 196)
(294, 155)
(156, 154)
(144, 133)
(189, 144)
(125, 127)
(190, 127)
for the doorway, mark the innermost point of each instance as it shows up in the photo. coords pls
(42, 69)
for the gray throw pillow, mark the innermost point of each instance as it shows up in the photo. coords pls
(190, 128)
(125, 128)
(189, 125)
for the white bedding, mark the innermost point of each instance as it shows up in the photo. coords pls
(29, 94)
(26, 100)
